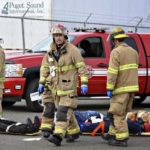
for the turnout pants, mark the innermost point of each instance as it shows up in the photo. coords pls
(65, 121)
(119, 106)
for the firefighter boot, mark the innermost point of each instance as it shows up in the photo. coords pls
(108, 136)
(55, 139)
(46, 132)
(115, 142)
(72, 137)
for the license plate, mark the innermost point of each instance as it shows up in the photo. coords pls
(35, 96)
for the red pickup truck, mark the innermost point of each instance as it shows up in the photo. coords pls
(96, 51)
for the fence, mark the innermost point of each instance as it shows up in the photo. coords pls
(24, 32)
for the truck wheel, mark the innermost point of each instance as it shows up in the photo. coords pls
(7, 104)
(31, 88)
(139, 99)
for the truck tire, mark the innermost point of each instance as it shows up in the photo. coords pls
(139, 100)
(31, 88)
(7, 104)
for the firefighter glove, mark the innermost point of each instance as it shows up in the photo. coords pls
(109, 93)
(41, 88)
(84, 89)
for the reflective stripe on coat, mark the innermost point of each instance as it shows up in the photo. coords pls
(122, 74)
(62, 77)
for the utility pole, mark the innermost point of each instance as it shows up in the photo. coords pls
(136, 27)
(23, 30)
(87, 20)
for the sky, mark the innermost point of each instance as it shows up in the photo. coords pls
(114, 11)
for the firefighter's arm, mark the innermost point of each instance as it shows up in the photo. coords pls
(82, 71)
(44, 70)
(112, 72)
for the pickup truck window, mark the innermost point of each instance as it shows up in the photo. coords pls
(131, 42)
(43, 46)
(91, 47)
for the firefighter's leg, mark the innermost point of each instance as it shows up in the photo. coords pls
(112, 131)
(73, 130)
(130, 102)
(121, 127)
(70, 102)
(122, 133)
(48, 113)
(63, 117)
(60, 125)
(118, 108)
(1, 95)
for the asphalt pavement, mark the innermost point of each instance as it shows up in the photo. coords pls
(19, 112)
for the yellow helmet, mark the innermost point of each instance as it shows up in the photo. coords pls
(59, 29)
(117, 33)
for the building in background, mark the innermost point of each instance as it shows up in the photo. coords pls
(127, 12)
(11, 28)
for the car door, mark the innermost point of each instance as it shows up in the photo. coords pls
(94, 49)
(135, 43)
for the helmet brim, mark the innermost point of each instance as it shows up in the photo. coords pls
(120, 36)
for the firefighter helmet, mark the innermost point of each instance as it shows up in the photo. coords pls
(117, 33)
(59, 29)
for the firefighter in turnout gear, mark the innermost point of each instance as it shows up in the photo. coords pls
(122, 83)
(2, 76)
(58, 81)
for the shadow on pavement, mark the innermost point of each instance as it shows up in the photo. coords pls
(85, 105)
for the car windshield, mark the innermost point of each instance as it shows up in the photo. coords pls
(43, 46)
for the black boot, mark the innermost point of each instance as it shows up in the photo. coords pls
(114, 142)
(37, 123)
(72, 137)
(33, 127)
(55, 139)
(47, 132)
(108, 136)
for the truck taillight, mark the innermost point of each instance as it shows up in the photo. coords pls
(13, 70)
